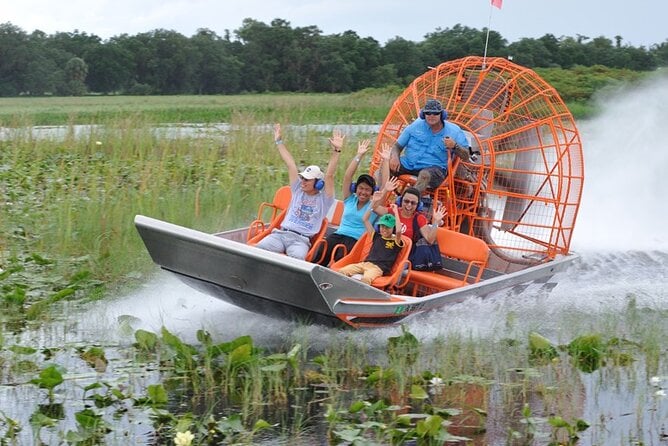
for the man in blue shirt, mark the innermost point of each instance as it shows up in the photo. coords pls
(426, 145)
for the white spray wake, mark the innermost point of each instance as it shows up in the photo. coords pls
(626, 172)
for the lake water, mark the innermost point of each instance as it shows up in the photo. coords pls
(620, 234)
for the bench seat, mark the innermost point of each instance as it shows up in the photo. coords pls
(469, 250)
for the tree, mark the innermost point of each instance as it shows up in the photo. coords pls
(530, 53)
(406, 56)
(76, 71)
(276, 57)
(14, 59)
(110, 68)
(660, 53)
(218, 70)
(458, 42)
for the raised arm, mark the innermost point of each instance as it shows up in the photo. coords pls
(336, 143)
(362, 148)
(429, 231)
(293, 172)
(385, 156)
(380, 196)
(367, 222)
(376, 200)
(394, 156)
(397, 224)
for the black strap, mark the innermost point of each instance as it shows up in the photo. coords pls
(416, 229)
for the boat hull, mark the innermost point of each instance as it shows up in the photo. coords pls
(222, 266)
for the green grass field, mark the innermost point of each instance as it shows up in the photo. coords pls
(356, 108)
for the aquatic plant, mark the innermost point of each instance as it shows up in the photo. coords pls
(49, 378)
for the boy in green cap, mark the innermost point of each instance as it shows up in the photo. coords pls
(385, 246)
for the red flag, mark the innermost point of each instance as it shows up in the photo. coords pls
(497, 3)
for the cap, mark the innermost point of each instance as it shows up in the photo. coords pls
(388, 220)
(311, 172)
(432, 105)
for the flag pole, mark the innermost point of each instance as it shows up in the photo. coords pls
(492, 3)
(489, 25)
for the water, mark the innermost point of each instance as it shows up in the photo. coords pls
(620, 235)
(218, 130)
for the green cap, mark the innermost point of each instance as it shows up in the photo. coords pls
(387, 220)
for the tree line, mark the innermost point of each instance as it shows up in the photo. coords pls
(274, 57)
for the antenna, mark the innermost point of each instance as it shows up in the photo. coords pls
(496, 3)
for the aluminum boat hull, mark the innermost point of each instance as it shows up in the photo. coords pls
(222, 266)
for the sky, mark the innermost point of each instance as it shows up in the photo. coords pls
(639, 22)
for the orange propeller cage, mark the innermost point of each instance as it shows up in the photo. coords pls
(523, 192)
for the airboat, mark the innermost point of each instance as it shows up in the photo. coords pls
(512, 207)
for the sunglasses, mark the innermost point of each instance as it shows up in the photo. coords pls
(432, 113)
(411, 202)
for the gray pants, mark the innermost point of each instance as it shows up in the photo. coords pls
(280, 241)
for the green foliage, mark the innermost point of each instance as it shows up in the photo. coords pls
(579, 83)
(12, 428)
(403, 348)
(49, 378)
(91, 428)
(272, 57)
(146, 340)
(588, 351)
(95, 357)
(572, 430)
(540, 349)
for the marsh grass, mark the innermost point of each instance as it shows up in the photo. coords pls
(73, 200)
(364, 107)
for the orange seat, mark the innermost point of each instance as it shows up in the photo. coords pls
(361, 250)
(468, 249)
(279, 204)
(318, 244)
(338, 213)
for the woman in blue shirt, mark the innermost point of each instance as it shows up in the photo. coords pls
(356, 200)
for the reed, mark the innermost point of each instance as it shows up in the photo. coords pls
(364, 107)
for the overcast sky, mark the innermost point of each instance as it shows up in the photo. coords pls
(639, 22)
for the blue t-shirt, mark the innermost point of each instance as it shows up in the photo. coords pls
(423, 148)
(352, 224)
(306, 212)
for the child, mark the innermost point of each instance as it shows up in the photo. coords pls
(385, 246)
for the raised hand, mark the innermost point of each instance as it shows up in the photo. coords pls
(438, 215)
(377, 199)
(395, 210)
(363, 147)
(336, 141)
(391, 184)
(386, 152)
(277, 132)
